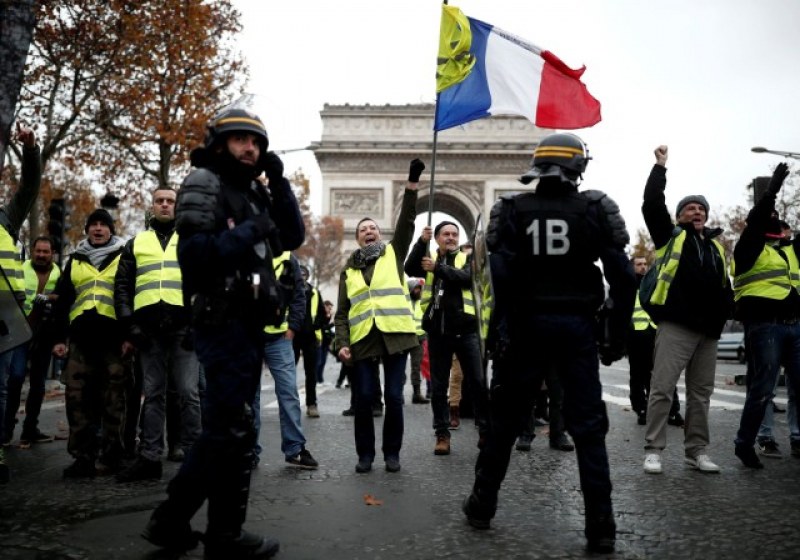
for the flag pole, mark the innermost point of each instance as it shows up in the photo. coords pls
(433, 165)
(433, 156)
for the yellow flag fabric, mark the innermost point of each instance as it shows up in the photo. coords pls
(454, 62)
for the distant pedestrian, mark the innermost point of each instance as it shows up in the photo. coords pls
(306, 341)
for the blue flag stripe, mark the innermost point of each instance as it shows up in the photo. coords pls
(470, 99)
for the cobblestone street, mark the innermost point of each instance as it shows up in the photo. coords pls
(738, 513)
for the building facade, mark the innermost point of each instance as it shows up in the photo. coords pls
(364, 152)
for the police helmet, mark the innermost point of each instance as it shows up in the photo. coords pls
(561, 155)
(235, 119)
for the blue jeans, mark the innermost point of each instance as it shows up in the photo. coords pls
(279, 357)
(765, 430)
(567, 344)
(5, 366)
(769, 345)
(365, 385)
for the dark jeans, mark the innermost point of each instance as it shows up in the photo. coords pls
(217, 467)
(306, 343)
(555, 398)
(769, 344)
(365, 384)
(566, 343)
(466, 348)
(640, 361)
(38, 354)
(322, 357)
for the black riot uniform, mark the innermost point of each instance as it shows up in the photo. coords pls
(229, 228)
(544, 246)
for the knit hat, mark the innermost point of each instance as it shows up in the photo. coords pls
(100, 215)
(696, 198)
(441, 225)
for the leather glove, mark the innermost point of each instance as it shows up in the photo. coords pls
(265, 226)
(273, 167)
(415, 170)
(778, 176)
(610, 353)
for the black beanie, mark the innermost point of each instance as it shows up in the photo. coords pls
(438, 228)
(100, 215)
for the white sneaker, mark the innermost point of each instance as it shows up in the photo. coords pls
(702, 463)
(652, 463)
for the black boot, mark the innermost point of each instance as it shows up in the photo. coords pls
(167, 530)
(418, 398)
(247, 546)
(479, 507)
(601, 533)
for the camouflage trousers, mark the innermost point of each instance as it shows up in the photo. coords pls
(96, 380)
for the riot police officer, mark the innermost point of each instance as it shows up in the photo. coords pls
(230, 228)
(547, 291)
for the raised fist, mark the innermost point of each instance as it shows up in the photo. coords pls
(415, 170)
(661, 155)
(778, 176)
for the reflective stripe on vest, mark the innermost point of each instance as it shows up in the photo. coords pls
(385, 302)
(667, 273)
(158, 276)
(641, 320)
(10, 261)
(277, 265)
(32, 283)
(466, 293)
(93, 289)
(771, 276)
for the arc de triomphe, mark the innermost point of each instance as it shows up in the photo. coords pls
(365, 150)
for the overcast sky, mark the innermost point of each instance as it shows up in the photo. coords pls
(709, 78)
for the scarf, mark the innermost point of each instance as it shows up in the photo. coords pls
(368, 254)
(97, 255)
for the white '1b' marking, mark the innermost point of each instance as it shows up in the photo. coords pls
(555, 237)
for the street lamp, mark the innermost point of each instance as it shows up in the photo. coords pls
(763, 150)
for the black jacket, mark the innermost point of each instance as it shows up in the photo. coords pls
(745, 255)
(700, 296)
(151, 320)
(89, 330)
(222, 257)
(449, 317)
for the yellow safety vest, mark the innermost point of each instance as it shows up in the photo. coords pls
(278, 264)
(94, 289)
(771, 277)
(314, 306)
(466, 294)
(158, 275)
(487, 308)
(416, 307)
(385, 302)
(32, 284)
(667, 272)
(10, 261)
(641, 319)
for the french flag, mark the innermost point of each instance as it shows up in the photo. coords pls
(514, 77)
